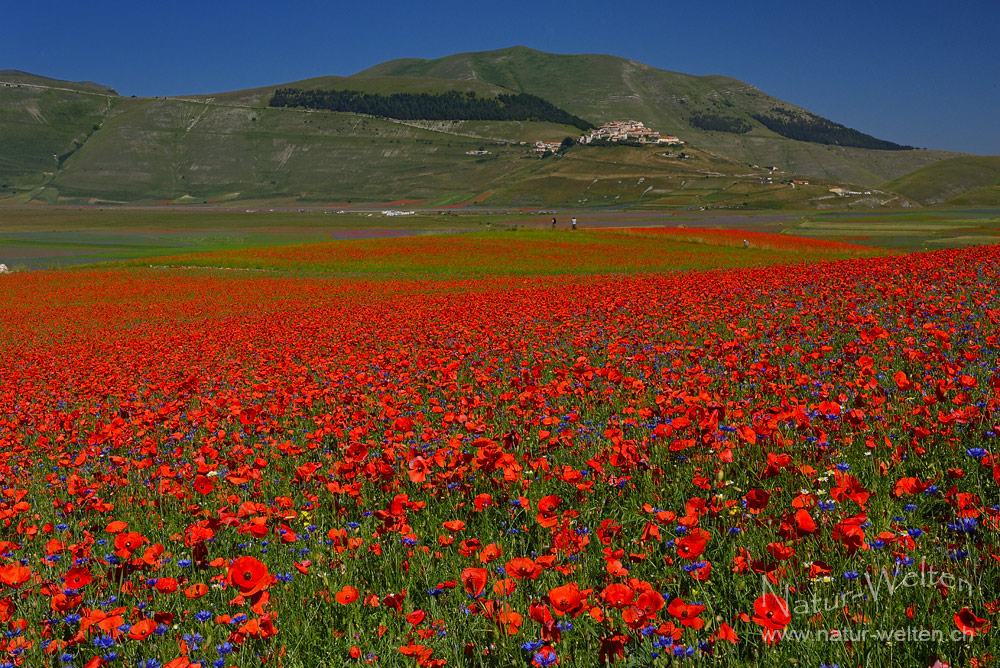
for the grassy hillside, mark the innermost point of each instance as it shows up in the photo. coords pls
(80, 146)
(19, 78)
(653, 178)
(66, 142)
(167, 150)
(601, 88)
(967, 180)
(41, 126)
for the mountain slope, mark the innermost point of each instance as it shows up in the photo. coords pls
(76, 142)
(949, 179)
(17, 77)
(259, 97)
(165, 150)
(602, 88)
(42, 122)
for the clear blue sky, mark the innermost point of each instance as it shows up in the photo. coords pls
(921, 73)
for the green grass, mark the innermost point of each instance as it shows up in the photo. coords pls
(913, 230)
(969, 180)
(40, 126)
(43, 237)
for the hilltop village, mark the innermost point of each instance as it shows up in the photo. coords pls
(613, 133)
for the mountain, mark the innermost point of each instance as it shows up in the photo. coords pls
(603, 88)
(74, 142)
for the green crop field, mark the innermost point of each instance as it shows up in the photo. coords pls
(39, 237)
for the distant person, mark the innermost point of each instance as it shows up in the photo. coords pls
(746, 244)
(574, 222)
(553, 222)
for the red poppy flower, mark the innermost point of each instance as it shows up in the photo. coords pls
(650, 601)
(771, 612)
(490, 553)
(971, 625)
(503, 616)
(142, 629)
(618, 595)
(78, 578)
(703, 572)
(757, 499)
(780, 551)
(522, 567)
(474, 581)
(128, 542)
(687, 613)
(505, 587)
(203, 485)
(249, 575)
(166, 585)
(849, 532)
(819, 568)
(14, 575)
(196, 591)
(727, 633)
(567, 599)
(347, 595)
(116, 526)
(690, 547)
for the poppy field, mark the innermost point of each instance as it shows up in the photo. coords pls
(633, 448)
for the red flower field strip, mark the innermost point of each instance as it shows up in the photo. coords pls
(204, 465)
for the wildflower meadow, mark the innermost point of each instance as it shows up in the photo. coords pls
(631, 448)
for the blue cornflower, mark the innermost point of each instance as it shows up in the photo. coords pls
(545, 660)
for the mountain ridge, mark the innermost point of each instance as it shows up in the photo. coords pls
(28, 78)
(62, 146)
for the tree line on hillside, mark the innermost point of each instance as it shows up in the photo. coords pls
(714, 122)
(818, 130)
(449, 106)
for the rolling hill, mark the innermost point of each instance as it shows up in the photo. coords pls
(964, 181)
(71, 142)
